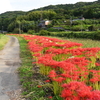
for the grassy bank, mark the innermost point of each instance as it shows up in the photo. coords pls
(29, 77)
(3, 40)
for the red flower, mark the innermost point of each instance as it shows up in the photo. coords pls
(76, 90)
(60, 79)
(50, 97)
(47, 80)
(66, 93)
(39, 86)
(52, 74)
(97, 64)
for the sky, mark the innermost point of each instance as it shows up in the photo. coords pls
(26, 5)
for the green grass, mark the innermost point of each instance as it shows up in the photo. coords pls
(3, 40)
(87, 43)
(29, 79)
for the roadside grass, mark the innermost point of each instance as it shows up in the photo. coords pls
(33, 82)
(30, 80)
(3, 40)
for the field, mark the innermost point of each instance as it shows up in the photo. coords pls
(86, 42)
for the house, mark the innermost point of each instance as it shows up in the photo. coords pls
(44, 23)
(81, 18)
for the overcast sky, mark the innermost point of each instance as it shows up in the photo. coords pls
(26, 5)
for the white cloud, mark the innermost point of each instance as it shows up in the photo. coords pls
(5, 6)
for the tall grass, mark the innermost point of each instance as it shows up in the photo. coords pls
(3, 40)
(87, 42)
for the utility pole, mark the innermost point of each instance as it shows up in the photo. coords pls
(81, 26)
(71, 21)
(19, 26)
(41, 17)
(2, 25)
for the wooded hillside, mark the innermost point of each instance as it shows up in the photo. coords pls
(10, 21)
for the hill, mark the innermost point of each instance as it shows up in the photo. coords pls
(11, 14)
(58, 13)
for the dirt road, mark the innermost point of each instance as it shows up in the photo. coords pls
(9, 62)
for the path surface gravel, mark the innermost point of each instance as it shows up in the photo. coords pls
(10, 88)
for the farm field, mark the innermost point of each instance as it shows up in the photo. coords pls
(72, 70)
(86, 42)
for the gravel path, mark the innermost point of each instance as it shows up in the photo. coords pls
(10, 88)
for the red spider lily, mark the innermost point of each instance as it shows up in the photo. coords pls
(34, 47)
(59, 79)
(76, 89)
(67, 66)
(54, 51)
(52, 74)
(95, 76)
(94, 80)
(95, 95)
(50, 97)
(37, 54)
(97, 64)
(47, 61)
(79, 61)
(92, 52)
(47, 81)
(66, 93)
(39, 86)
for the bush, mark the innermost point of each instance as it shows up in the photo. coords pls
(97, 35)
(16, 30)
(44, 32)
(91, 28)
(54, 30)
(31, 31)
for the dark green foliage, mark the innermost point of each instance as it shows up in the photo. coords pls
(16, 30)
(31, 31)
(89, 35)
(91, 28)
(44, 32)
(54, 30)
(12, 14)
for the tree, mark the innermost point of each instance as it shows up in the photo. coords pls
(88, 13)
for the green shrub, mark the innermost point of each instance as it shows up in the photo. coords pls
(54, 30)
(97, 35)
(91, 28)
(44, 32)
(17, 30)
(31, 31)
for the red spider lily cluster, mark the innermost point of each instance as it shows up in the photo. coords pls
(74, 71)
